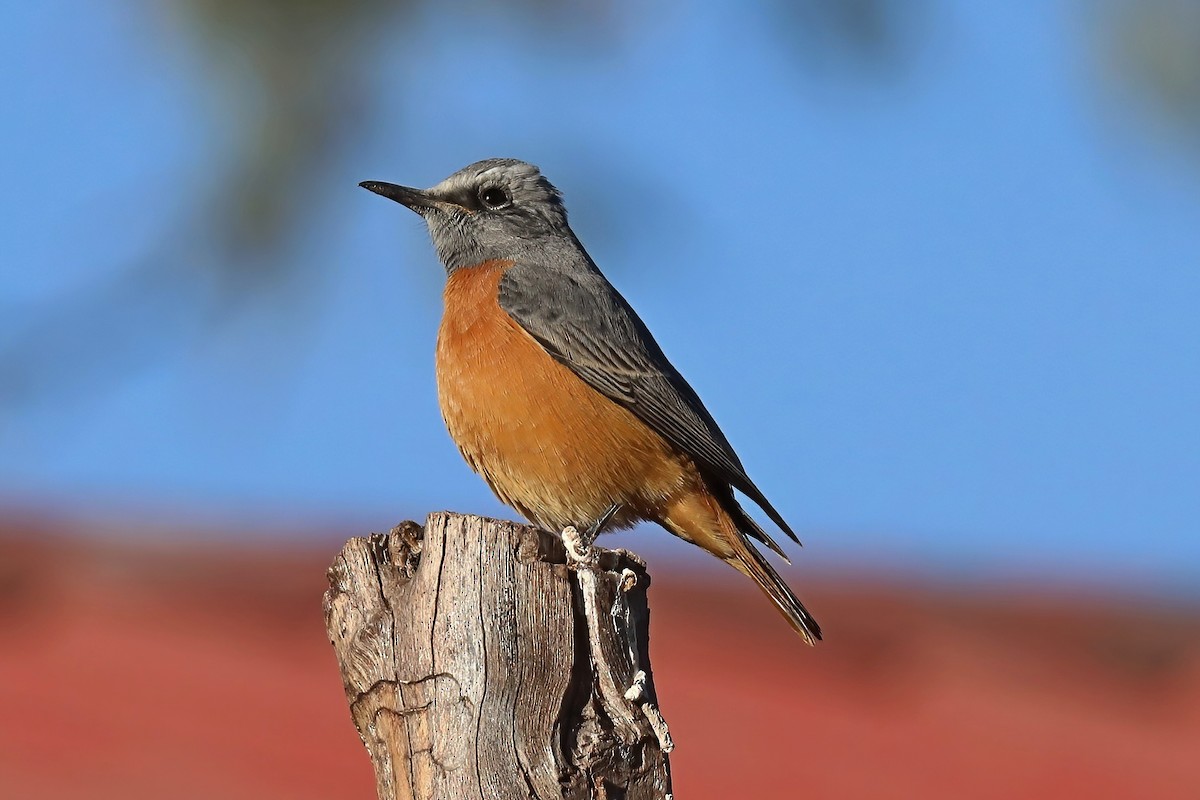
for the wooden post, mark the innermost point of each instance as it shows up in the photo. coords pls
(478, 664)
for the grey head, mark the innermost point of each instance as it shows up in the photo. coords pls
(499, 208)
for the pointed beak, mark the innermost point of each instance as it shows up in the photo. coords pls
(416, 199)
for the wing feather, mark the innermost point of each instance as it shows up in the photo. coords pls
(585, 324)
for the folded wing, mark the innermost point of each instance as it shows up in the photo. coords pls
(585, 324)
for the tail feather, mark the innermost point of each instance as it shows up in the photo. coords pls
(713, 520)
(744, 522)
(749, 561)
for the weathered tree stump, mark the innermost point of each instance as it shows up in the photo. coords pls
(479, 664)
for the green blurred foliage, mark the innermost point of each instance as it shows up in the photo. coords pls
(1150, 51)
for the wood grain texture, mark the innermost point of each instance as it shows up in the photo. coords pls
(477, 664)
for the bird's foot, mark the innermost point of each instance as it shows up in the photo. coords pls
(579, 545)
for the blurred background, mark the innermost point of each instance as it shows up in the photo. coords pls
(933, 265)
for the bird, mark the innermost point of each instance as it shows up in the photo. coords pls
(556, 393)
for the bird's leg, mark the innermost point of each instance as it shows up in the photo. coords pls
(599, 525)
(579, 543)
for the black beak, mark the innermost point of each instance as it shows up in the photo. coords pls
(416, 199)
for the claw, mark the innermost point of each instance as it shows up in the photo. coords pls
(578, 545)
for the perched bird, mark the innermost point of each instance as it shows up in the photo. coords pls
(556, 393)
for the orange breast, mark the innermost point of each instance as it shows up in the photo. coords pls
(547, 443)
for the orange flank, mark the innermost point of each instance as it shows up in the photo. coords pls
(561, 453)
(546, 443)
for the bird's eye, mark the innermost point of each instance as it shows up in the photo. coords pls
(494, 197)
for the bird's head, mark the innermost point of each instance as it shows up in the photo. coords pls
(493, 209)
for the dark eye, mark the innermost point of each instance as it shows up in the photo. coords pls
(494, 197)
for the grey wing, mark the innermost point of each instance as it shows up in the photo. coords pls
(585, 324)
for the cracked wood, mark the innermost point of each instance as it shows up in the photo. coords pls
(477, 664)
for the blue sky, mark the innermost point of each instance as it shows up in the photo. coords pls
(945, 310)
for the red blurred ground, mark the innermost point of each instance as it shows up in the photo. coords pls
(140, 673)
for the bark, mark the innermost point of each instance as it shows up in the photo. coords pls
(478, 663)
